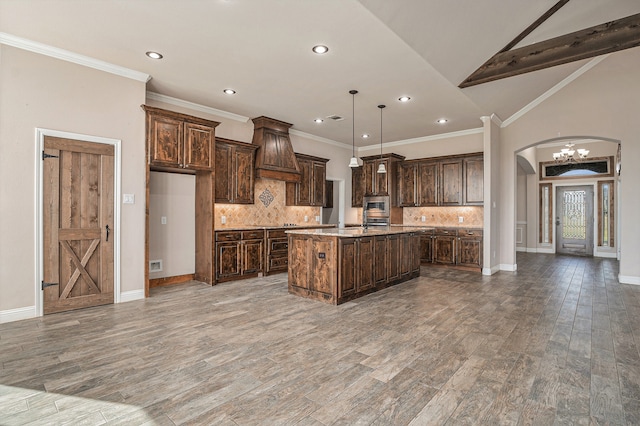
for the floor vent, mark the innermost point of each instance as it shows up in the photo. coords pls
(155, 266)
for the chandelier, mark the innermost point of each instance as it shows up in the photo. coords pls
(570, 155)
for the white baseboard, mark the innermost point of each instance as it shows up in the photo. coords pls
(128, 296)
(606, 254)
(17, 314)
(546, 250)
(624, 279)
(490, 271)
(521, 249)
(508, 267)
(532, 249)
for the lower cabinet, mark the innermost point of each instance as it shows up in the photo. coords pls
(356, 273)
(277, 251)
(444, 246)
(470, 248)
(453, 247)
(239, 254)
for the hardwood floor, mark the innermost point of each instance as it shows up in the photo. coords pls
(553, 343)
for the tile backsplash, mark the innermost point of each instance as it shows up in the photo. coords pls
(268, 209)
(473, 216)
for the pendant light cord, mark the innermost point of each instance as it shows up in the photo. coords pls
(353, 122)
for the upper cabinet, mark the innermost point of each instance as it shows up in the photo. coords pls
(381, 183)
(441, 181)
(357, 186)
(418, 183)
(310, 191)
(473, 168)
(179, 141)
(234, 171)
(451, 182)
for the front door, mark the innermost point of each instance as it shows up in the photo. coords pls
(574, 220)
(77, 224)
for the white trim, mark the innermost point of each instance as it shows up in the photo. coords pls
(546, 250)
(128, 296)
(523, 249)
(18, 314)
(65, 55)
(508, 267)
(39, 244)
(546, 95)
(196, 107)
(490, 271)
(626, 279)
(427, 138)
(532, 250)
(604, 254)
(320, 139)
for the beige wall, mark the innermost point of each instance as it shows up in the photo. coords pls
(172, 196)
(604, 102)
(43, 92)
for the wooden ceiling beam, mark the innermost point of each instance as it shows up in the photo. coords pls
(598, 40)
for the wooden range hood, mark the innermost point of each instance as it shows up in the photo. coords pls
(275, 158)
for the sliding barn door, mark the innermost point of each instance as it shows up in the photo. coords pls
(77, 224)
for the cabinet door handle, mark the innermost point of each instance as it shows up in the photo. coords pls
(108, 231)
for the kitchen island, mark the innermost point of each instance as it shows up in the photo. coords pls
(340, 264)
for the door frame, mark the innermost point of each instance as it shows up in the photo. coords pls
(39, 243)
(594, 219)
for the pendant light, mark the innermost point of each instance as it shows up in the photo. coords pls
(354, 159)
(381, 167)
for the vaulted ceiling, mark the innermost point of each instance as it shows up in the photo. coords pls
(262, 49)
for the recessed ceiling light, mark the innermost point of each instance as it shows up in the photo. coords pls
(404, 99)
(320, 49)
(154, 55)
(365, 136)
(442, 121)
(229, 91)
(318, 120)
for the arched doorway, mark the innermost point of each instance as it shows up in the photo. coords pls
(539, 222)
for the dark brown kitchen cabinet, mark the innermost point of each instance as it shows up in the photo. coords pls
(356, 266)
(239, 254)
(381, 183)
(469, 248)
(380, 252)
(473, 181)
(277, 251)
(234, 171)
(451, 182)
(407, 184)
(310, 191)
(179, 141)
(357, 186)
(328, 195)
(444, 246)
(418, 184)
(426, 247)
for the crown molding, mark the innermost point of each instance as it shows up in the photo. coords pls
(196, 107)
(65, 55)
(427, 138)
(320, 139)
(493, 117)
(555, 89)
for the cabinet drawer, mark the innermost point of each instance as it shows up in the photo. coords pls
(252, 235)
(470, 233)
(276, 233)
(228, 236)
(278, 245)
(278, 262)
(446, 231)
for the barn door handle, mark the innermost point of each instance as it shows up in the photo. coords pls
(108, 231)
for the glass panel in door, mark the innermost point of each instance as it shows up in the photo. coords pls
(574, 220)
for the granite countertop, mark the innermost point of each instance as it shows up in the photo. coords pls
(358, 232)
(265, 227)
(458, 226)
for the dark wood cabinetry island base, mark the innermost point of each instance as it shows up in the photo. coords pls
(340, 264)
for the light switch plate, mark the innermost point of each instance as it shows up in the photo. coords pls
(128, 198)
